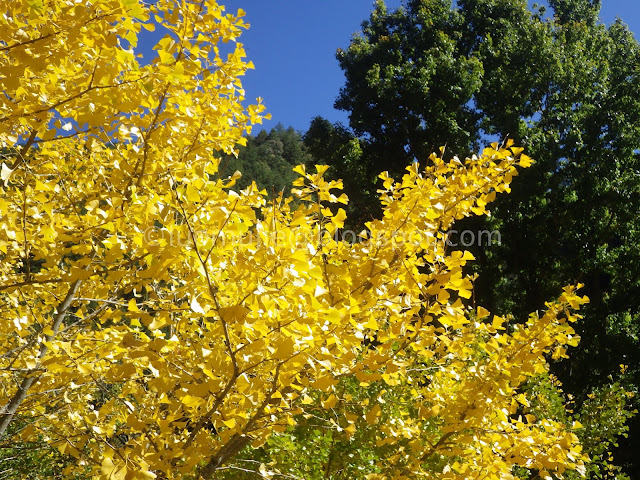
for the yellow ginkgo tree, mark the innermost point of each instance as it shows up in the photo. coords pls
(156, 322)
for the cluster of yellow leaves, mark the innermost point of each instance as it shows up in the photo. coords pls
(70, 68)
(156, 322)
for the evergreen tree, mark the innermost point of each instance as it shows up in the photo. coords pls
(268, 159)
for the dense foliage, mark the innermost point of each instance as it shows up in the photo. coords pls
(160, 321)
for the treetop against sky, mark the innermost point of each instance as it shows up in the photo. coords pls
(293, 46)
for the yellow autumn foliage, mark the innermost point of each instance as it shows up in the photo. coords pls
(155, 321)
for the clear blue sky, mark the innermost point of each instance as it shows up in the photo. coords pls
(293, 42)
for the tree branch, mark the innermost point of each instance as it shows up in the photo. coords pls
(8, 411)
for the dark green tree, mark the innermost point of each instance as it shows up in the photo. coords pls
(268, 159)
(565, 87)
(410, 82)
